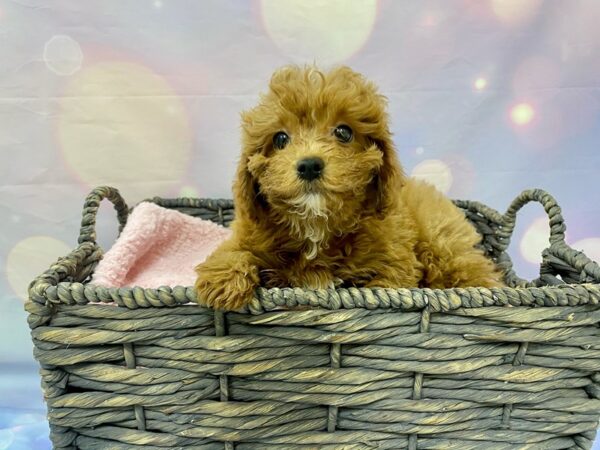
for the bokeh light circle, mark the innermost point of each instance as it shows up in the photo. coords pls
(480, 84)
(29, 258)
(522, 114)
(121, 124)
(535, 240)
(462, 185)
(188, 191)
(63, 55)
(515, 12)
(589, 246)
(434, 172)
(325, 31)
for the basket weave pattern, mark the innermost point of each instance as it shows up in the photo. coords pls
(352, 368)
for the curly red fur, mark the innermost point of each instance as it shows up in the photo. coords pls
(363, 223)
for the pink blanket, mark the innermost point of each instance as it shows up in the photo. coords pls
(158, 247)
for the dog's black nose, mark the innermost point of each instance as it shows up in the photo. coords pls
(310, 168)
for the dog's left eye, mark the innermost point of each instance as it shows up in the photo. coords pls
(343, 133)
(280, 140)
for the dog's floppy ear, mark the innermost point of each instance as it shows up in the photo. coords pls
(390, 177)
(248, 201)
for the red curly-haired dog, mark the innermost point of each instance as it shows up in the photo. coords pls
(322, 201)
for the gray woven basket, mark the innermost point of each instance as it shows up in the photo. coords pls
(361, 368)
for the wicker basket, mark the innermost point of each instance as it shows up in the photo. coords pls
(364, 368)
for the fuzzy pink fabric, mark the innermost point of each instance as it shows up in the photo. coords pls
(158, 247)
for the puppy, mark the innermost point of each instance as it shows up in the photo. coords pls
(321, 201)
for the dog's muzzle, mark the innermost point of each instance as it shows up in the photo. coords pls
(310, 169)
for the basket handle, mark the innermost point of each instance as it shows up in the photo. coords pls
(557, 223)
(87, 232)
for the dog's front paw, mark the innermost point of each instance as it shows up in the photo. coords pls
(227, 286)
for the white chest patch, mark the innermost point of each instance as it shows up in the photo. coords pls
(309, 221)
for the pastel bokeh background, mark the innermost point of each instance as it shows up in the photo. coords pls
(487, 98)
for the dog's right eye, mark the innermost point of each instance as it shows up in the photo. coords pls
(280, 140)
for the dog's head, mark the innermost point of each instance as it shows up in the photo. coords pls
(317, 147)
